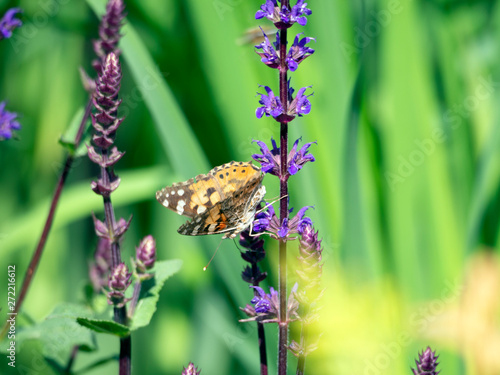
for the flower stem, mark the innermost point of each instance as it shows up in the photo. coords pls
(283, 323)
(37, 255)
(120, 313)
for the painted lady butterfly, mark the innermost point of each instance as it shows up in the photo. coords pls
(222, 201)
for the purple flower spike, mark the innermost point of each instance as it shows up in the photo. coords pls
(9, 23)
(190, 370)
(298, 52)
(8, 123)
(296, 160)
(271, 104)
(427, 363)
(282, 16)
(269, 54)
(109, 33)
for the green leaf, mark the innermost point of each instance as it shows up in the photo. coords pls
(58, 333)
(150, 290)
(105, 326)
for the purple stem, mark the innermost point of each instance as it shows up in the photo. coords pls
(37, 255)
(283, 323)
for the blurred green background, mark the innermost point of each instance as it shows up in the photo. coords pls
(405, 183)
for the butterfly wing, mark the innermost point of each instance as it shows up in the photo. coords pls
(231, 216)
(197, 195)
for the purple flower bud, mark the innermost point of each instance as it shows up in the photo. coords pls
(298, 52)
(426, 363)
(8, 123)
(190, 370)
(9, 23)
(146, 254)
(119, 280)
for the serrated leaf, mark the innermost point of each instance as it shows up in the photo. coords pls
(150, 291)
(58, 333)
(105, 326)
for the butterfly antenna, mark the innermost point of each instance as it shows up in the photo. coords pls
(269, 204)
(213, 256)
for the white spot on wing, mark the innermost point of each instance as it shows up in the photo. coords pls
(173, 192)
(180, 192)
(180, 207)
(201, 209)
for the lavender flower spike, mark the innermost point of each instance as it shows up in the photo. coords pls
(8, 123)
(426, 363)
(9, 23)
(190, 370)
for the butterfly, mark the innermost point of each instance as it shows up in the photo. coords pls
(224, 200)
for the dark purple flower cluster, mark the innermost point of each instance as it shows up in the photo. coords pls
(119, 281)
(270, 159)
(268, 222)
(266, 306)
(8, 123)
(254, 254)
(284, 17)
(426, 363)
(9, 23)
(297, 53)
(105, 123)
(109, 33)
